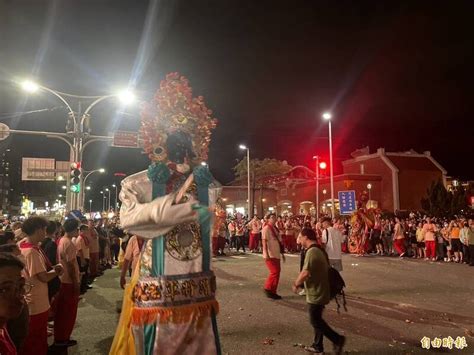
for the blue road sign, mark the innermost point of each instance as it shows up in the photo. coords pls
(347, 201)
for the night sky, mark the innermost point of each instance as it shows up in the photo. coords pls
(394, 76)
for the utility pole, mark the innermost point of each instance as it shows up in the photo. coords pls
(77, 134)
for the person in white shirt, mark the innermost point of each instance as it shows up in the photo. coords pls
(272, 253)
(255, 227)
(332, 239)
(232, 229)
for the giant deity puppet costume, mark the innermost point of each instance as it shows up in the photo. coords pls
(169, 306)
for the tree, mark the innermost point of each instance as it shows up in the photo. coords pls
(459, 200)
(440, 202)
(260, 169)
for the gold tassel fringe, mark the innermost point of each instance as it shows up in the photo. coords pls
(180, 314)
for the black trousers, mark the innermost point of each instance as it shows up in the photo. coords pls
(321, 328)
(240, 242)
(233, 241)
(85, 276)
(115, 249)
(465, 252)
(471, 254)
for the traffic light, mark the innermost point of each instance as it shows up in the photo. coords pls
(76, 177)
(323, 165)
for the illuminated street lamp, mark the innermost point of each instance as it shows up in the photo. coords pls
(90, 208)
(327, 116)
(250, 211)
(369, 187)
(29, 86)
(126, 97)
(83, 192)
(78, 135)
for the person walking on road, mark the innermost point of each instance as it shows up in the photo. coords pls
(314, 277)
(332, 240)
(399, 237)
(272, 254)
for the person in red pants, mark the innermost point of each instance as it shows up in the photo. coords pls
(399, 238)
(272, 254)
(428, 232)
(38, 272)
(68, 296)
(255, 227)
(290, 236)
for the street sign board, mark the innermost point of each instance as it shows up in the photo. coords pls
(125, 139)
(347, 201)
(38, 169)
(62, 170)
(4, 131)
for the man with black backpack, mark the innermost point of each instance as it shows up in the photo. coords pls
(315, 278)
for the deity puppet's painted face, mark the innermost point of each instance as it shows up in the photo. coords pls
(179, 147)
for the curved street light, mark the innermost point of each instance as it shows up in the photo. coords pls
(79, 134)
(83, 185)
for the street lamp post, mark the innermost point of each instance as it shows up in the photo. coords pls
(250, 211)
(103, 201)
(324, 196)
(79, 131)
(83, 186)
(369, 187)
(316, 158)
(116, 197)
(90, 208)
(108, 202)
(327, 116)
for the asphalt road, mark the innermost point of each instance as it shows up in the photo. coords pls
(392, 305)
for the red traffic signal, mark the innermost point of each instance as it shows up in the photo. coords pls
(75, 173)
(322, 165)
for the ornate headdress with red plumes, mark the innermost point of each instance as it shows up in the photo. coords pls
(174, 109)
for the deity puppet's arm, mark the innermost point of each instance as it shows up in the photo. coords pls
(155, 218)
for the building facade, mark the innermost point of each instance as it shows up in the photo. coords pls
(393, 181)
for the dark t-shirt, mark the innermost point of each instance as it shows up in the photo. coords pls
(50, 249)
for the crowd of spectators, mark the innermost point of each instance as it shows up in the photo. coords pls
(47, 265)
(415, 236)
(50, 266)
